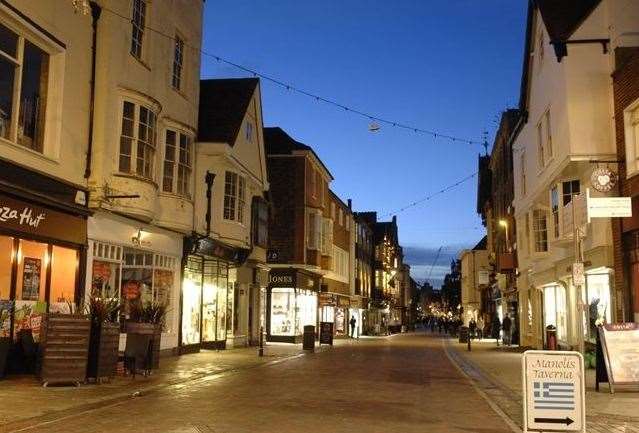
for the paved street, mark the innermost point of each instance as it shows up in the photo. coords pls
(413, 387)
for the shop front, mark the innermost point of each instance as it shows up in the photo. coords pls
(334, 308)
(291, 304)
(210, 299)
(42, 264)
(138, 264)
(358, 313)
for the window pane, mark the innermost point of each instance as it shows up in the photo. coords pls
(64, 265)
(6, 254)
(7, 76)
(8, 41)
(33, 97)
(32, 263)
(105, 279)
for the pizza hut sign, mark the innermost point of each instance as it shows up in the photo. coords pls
(25, 216)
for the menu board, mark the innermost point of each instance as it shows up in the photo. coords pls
(28, 315)
(31, 278)
(620, 344)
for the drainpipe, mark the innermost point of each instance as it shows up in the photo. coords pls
(96, 10)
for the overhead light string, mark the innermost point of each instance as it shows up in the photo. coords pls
(375, 119)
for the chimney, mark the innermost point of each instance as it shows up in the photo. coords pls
(350, 204)
(394, 219)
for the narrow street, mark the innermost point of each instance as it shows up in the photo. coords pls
(413, 387)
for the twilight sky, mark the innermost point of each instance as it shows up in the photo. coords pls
(445, 65)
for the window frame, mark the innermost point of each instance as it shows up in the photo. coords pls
(177, 71)
(522, 173)
(52, 112)
(137, 43)
(539, 235)
(138, 104)
(631, 135)
(178, 187)
(237, 197)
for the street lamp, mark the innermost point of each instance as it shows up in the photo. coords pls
(504, 224)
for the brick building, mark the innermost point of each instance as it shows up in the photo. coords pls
(626, 230)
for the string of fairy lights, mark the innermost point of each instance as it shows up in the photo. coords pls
(82, 5)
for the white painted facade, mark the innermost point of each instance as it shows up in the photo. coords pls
(569, 123)
(244, 157)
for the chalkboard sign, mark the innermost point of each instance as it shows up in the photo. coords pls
(620, 347)
(326, 333)
(31, 279)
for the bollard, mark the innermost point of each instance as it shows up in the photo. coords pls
(260, 352)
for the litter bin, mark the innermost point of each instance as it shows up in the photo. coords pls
(551, 337)
(309, 338)
(463, 334)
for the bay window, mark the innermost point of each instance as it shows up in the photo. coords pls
(137, 140)
(234, 197)
(24, 75)
(177, 163)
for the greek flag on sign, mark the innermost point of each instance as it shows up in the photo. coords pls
(554, 395)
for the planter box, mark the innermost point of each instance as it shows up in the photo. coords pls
(155, 331)
(64, 345)
(103, 350)
(5, 346)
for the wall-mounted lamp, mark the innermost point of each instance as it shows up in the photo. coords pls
(504, 224)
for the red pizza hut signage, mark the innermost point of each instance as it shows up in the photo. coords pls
(23, 217)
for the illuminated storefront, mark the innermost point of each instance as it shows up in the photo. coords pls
(136, 263)
(209, 295)
(42, 258)
(335, 308)
(291, 304)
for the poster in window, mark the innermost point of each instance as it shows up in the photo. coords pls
(5, 318)
(28, 316)
(31, 278)
(163, 282)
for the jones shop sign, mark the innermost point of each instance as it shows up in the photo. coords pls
(554, 396)
(282, 278)
(22, 217)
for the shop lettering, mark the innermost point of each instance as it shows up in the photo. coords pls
(26, 217)
(554, 369)
(282, 279)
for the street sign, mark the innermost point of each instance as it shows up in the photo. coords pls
(554, 394)
(608, 207)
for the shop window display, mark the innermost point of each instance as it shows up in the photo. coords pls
(596, 295)
(282, 311)
(191, 301)
(64, 268)
(555, 309)
(339, 321)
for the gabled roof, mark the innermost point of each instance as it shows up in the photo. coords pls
(223, 105)
(563, 17)
(278, 142)
(481, 245)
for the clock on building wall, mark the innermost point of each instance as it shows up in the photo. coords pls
(603, 179)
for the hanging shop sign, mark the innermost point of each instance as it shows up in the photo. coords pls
(554, 391)
(603, 179)
(619, 345)
(608, 207)
(23, 217)
(483, 277)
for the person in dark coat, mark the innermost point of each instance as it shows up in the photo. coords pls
(353, 322)
(472, 328)
(507, 327)
(495, 329)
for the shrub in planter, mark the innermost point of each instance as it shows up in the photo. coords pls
(148, 319)
(105, 338)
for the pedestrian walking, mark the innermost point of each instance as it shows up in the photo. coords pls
(495, 329)
(507, 327)
(353, 322)
(472, 328)
(480, 327)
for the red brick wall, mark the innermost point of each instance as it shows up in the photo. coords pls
(287, 216)
(626, 91)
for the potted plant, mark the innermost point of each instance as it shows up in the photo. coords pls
(5, 339)
(148, 319)
(104, 340)
(64, 346)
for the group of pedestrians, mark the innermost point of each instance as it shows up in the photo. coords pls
(477, 329)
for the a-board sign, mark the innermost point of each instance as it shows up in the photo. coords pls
(554, 394)
(620, 344)
(326, 333)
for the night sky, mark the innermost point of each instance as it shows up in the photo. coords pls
(449, 65)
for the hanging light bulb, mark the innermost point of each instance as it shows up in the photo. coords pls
(373, 127)
(81, 6)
